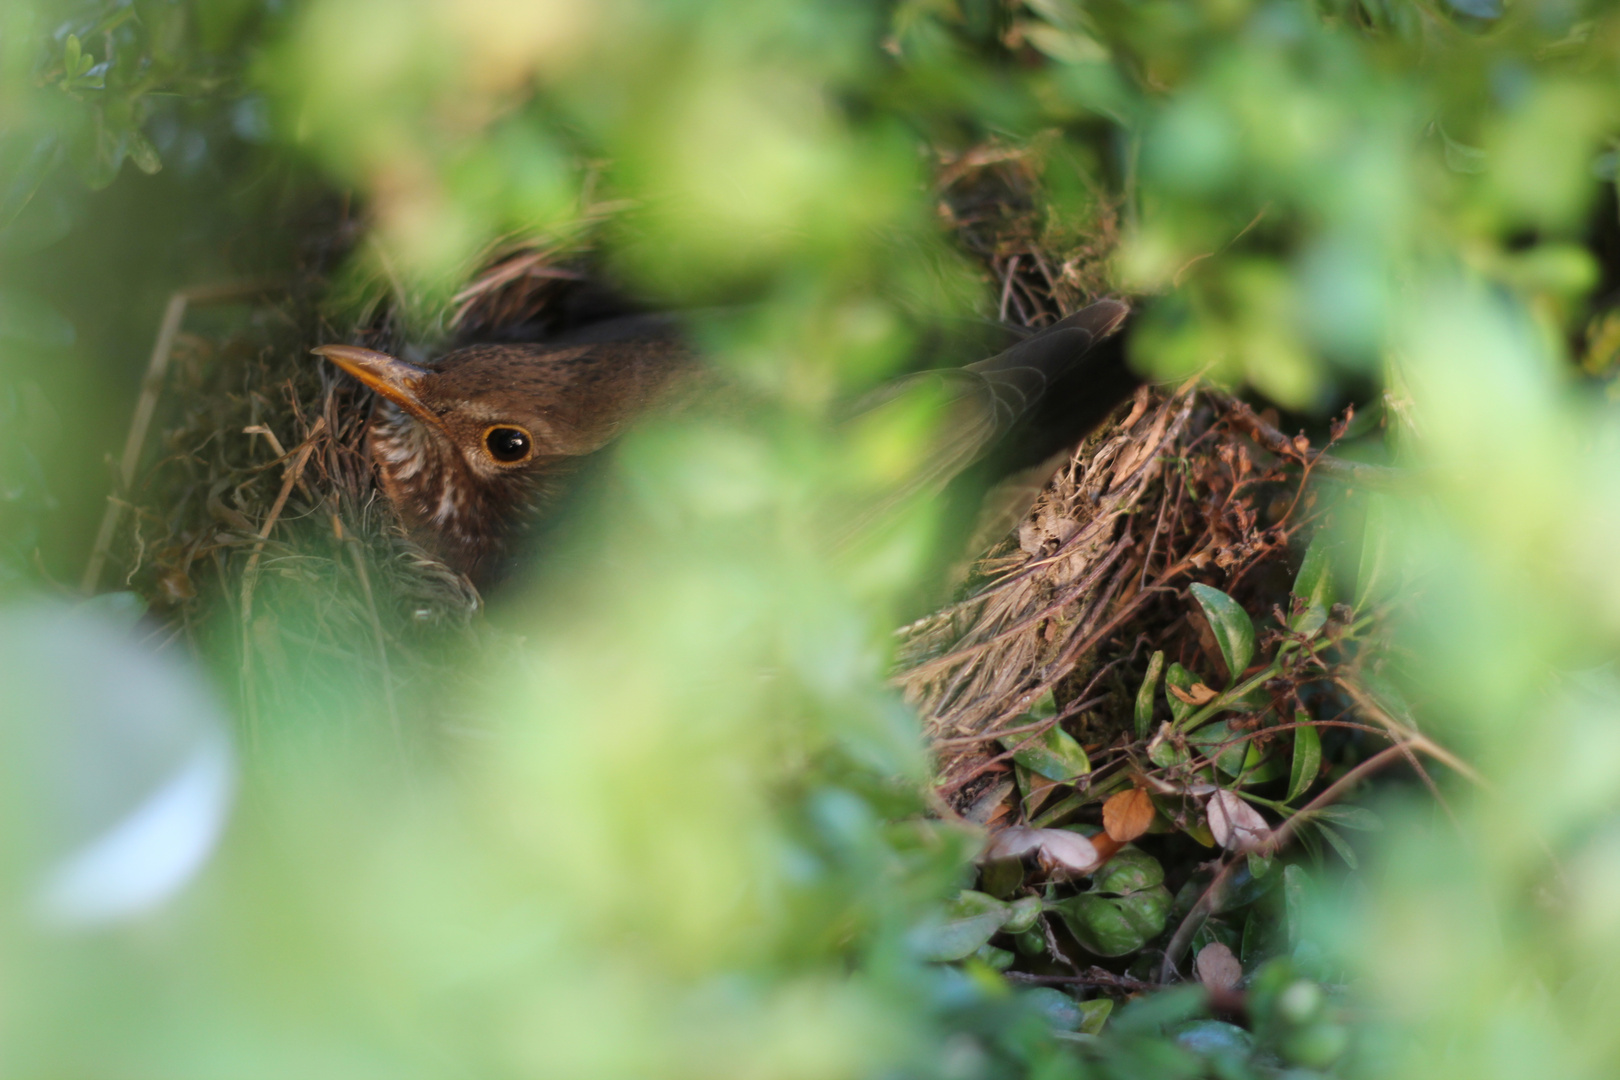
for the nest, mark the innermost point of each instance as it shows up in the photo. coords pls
(256, 532)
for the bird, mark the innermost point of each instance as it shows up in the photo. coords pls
(471, 450)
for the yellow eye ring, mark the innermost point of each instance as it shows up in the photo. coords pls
(509, 444)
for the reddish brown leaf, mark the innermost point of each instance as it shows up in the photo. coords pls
(1196, 694)
(1127, 815)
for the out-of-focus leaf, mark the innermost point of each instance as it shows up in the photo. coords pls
(144, 154)
(971, 921)
(1373, 576)
(1059, 1009)
(1218, 967)
(1339, 844)
(1144, 695)
(1215, 1038)
(1349, 817)
(1233, 629)
(995, 959)
(1307, 758)
(1294, 901)
(1094, 1014)
(25, 168)
(31, 320)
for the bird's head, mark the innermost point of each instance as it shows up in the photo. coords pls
(462, 450)
(470, 450)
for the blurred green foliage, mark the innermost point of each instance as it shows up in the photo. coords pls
(689, 839)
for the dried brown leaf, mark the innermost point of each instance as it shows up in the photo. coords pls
(1218, 967)
(1196, 694)
(1128, 815)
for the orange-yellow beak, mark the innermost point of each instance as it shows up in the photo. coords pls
(394, 379)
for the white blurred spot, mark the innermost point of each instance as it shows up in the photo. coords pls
(142, 860)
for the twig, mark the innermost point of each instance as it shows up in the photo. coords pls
(1094, 976)
(1269, 438)
(146, 405)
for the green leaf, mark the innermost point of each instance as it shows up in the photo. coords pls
(1094, 1014)
(993, 958)
(1144, 696)
(1115, 925)
(1314, 583)
(1234, 631)
(1294, 883)
(1130, 870)
(144, 154)
(1261, 766)
(1307, 759)
(1373, 577)
(1350, 817)
(1346, 852)
(72, 57)
(1214, 1038)
(1220, 742)
(1022, 915)
(972, 919)
(1053, 754)
(1128, 905)
(1058, 1009)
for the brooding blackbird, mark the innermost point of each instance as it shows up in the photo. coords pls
(472, 449)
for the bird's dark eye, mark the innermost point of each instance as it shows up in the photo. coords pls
(508, 445)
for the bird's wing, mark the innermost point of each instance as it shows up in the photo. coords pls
(980, 403)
